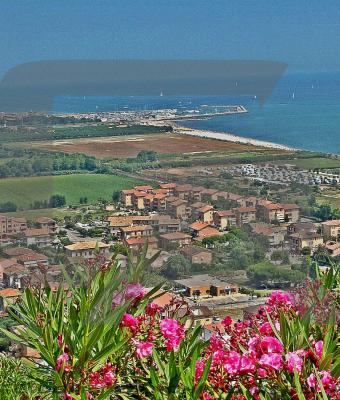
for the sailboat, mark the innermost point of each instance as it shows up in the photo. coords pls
(293, 96)
(161, 94)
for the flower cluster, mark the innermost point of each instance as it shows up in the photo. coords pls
(249, 354)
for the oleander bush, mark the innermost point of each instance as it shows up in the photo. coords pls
(106, 338)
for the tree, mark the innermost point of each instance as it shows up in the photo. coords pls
(9, 206)
(57, 200)
(176, 266)
(306, 251)
(115, 196)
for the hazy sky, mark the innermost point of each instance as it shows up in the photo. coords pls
(303, 33)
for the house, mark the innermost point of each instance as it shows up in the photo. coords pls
(196, 193)
(179, 239)
(274, 234)
(209, 194)
(126, 197)
(224, 219)
(244, 215)
(301, 226)
(138, 199)
(14, 274)
(197, 255)
(206, 285)
(159, 202)
(87, 250)
(206, 213)
(136, 231)
(17, 251)
(306, 239)
(39, 237)
(119, 221)
(135, 244)
(184, 192)
(32, 259)
(206, 232)
(144, 188)
(8, 297)
(291, 212)
(12, 225)
(178, 208)
(6, 263)
(271, 212)
(170, 187)
(333, 248)
(47, 223)
(164, 223)
(197, 226)
(331, 229)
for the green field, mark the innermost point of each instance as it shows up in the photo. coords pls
(24, 191)
(312, 163)
(44, 212)
(333, 201)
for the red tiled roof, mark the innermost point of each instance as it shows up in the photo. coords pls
(225, 213)
(9, 292)
(290, 206)
(140, 240)
(168, 185)
(205, 209)
(198, 225)
(207, 232)
(37, 232)
(333, 222)
(245, 209)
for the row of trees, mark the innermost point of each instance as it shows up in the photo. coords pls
(36, 164)
(55, 201)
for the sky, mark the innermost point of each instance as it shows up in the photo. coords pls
(303, 33)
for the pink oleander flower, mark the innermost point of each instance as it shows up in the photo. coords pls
(215, 343)
(67, 396)
(152, 309)
(318, 346)
(60, 339)
(227, 321)
(293, 362)
(134, 291)
(311, 381)
(199, 369)
(109, 378)
(247, 364)
(262, 373)
(272, 360)
(280, 297)
(266, 329)
(232, 363)
(206, 396)
(173, 332)
(129, 321)
(143, 349)
(270, 344)
(117, 300)
(61, 360)
(254, 345)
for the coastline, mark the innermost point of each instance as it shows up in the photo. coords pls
(228, 137)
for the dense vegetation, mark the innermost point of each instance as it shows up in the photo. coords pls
(28, 134)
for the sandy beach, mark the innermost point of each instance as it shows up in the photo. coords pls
(230, 138)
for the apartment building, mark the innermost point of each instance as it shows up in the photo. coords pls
(12, 225)
(244, 215)
(331, 228)
(87, 250)
(224, 219)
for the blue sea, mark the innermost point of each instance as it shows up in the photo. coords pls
(303, 111)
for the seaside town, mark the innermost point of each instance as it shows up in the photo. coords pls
(183, 224)
(169, 200)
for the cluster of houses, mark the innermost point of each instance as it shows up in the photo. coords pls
(12, 228)
(173, 217)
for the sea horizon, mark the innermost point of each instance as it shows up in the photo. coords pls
(303, 111)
